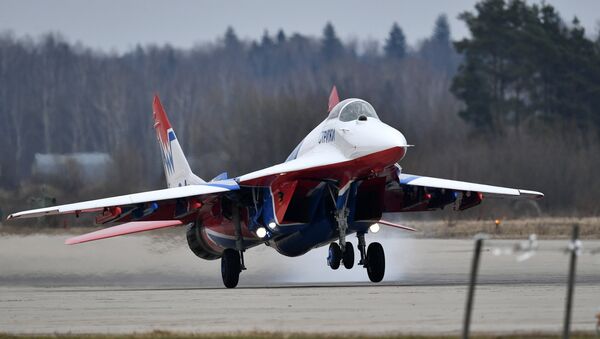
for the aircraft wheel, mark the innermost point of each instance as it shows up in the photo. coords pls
(375, 262)
(335, 256)
(230, 267)
(348, 256)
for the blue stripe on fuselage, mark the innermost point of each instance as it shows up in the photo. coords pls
(228, 184)
(409, 179)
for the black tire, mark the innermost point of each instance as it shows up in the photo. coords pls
(348, 256)
(230, 267)
(375, 262)
(335, 256)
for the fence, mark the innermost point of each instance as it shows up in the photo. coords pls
(523, 251)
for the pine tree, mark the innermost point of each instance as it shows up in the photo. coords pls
(231, 40)
(523, 63)
(331, 46)
(281, 37)
(266, 41)
(395, 44)
(438, 50)
(441, 30)
(482, 80)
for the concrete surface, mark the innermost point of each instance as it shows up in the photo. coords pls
(147, 282)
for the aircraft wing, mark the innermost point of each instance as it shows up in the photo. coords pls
(416, 180)
(413, 193)
(132, 199)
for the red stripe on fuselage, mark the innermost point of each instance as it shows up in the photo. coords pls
(342, 172)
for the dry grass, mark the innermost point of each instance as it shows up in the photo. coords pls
(545, 228)
(278, 335)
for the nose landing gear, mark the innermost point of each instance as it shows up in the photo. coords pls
(371, 258)
(348, 256)
(336, 256)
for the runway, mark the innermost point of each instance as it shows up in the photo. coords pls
(143, 283)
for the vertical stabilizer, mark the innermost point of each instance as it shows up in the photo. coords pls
(177, 169)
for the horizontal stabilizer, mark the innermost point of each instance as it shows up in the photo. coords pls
(406, 228)
(127, 228)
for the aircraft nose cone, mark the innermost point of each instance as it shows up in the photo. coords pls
(397, 143)
(377, 137)
(388, 137)
(398, 139)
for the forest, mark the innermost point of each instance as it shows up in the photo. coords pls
(517, 103)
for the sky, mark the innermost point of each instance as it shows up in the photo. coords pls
(118, 25)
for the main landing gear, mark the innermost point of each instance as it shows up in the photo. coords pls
(371, 258)
(375, 262)
(232, 260)
(231, 267)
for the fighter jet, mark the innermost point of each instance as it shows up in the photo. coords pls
(343, 178)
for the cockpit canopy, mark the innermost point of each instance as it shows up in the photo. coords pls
(352, 109)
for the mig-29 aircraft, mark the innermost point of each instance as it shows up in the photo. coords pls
(341, 179)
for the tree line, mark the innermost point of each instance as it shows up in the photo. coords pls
(525, 67)
(473, 109)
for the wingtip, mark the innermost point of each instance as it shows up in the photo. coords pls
(532, 194)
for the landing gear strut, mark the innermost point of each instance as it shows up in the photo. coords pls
(344, 252)
(362, 248)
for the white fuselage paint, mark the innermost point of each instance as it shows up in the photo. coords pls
(334, 141)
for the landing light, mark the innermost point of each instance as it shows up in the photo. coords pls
(374, 228)
(261, 232)
(272, 225)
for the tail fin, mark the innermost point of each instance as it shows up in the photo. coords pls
(334, 99)
(177, 169)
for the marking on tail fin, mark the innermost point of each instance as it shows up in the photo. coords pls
(165, 134)
(167, 152)
(171, 151)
